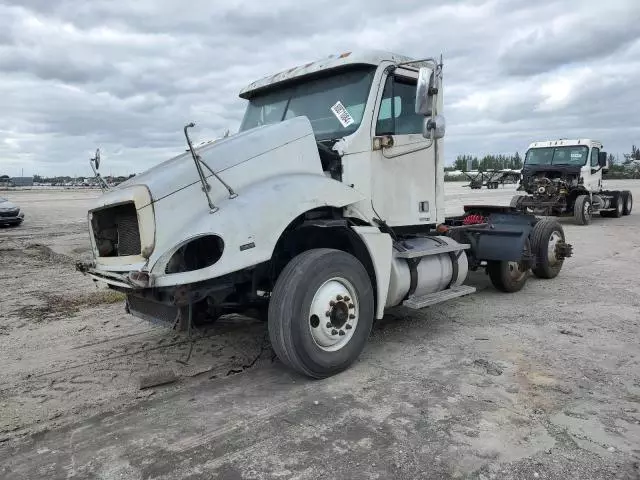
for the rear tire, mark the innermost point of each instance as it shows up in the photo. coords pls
(509, 277)
(627, 199)
(506, 276)
(544, 237)
(321, 312)
(619, 209)
(582, 211)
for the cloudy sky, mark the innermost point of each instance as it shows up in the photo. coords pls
(127, 75)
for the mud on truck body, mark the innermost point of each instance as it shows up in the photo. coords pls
(565, 178)
(325, 209)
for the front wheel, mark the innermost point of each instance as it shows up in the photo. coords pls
(321, 312)
(582, 210)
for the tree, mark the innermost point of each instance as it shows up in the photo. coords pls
(516, 163)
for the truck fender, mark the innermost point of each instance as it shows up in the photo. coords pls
(250, 224)
(380, 248)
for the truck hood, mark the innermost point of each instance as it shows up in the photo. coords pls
(8, 206)
(220, 155)
(528, 170)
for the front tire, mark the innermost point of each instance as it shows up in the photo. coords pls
(321, 312)
(582, 210)
(546, 235)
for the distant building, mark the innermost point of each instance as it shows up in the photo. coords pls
(22, 181)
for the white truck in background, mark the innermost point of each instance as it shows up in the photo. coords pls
(324, 210)
(565, 178)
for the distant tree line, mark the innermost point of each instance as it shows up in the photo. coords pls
(467, 163)
(67, 179)
(627, 167)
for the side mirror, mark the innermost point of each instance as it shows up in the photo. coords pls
(602, 159)
(96, 159)
(424, 90)
(434, 127)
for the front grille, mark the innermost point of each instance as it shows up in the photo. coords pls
(116, 231)
(10, 213)
(128, 234)
(151, 311)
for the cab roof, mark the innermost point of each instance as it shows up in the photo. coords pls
(366, 57)
(563, 142)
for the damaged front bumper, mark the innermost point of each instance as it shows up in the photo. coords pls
(133, 280)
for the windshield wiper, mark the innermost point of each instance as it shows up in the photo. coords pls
(203, 179)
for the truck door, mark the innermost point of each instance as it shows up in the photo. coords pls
(593, 181)
(403, 175)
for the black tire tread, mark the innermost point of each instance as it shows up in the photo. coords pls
(282, 304)
(500, 281)
(539, 235)
(578, 210)
(625, 195)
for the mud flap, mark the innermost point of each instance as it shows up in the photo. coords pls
(503, 239)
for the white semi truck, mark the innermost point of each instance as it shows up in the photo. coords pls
(565, 178)
(324, 210)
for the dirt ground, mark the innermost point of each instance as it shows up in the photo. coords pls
(544, 383)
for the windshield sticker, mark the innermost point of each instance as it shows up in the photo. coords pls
(341, 113)
(576, 155)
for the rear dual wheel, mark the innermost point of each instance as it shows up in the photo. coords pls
(547, 240)
(510, 277)
(321, 312)
(547, 244)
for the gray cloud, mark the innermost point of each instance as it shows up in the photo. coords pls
(128, 75)
(577, 37)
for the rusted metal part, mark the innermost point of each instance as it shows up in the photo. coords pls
(564, 250)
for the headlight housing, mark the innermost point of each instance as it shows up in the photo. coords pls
(198, 253)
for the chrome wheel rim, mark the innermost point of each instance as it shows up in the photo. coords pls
(333, 316)
(587, 210)
(554, 239)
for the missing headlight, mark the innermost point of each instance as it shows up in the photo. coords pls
(201, 252)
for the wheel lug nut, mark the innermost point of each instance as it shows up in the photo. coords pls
(332, 303)
(327, 313)
(352, 316)
(351, 306)
(346, 299)
(334, 332)
(341, 332)
(348, 326)
(329, 324)
(339, 297)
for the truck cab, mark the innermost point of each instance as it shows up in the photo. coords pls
(325, 209)
(361, 108)
(565, 177)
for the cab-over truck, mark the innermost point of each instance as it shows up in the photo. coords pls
(325, 209)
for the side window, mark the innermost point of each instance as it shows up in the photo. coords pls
(397, 114)
(594, 157)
